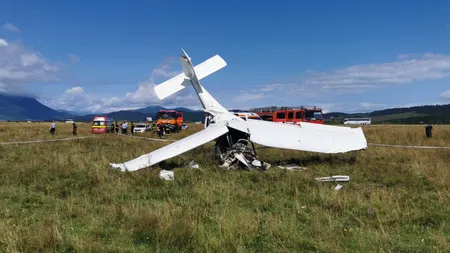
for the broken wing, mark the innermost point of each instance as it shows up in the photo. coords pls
(210, 133)
(307, 136)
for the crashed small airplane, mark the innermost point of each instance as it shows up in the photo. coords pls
(233, 134)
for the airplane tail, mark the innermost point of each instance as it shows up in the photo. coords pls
(191, 76)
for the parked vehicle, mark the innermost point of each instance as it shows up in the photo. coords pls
(142, 128)
(290, 115)
(170, 119)
(357, 121)
(100, 124)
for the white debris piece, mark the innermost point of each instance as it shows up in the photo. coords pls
(338, 178)
(166, 174)
(194, 165)
(292, 167)
(257, 163)
(338, 187)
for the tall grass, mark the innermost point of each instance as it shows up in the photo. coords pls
(63, 197)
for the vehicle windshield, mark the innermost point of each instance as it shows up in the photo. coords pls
(98, 123)
(312, 114)
(166, 115)
(140, 125)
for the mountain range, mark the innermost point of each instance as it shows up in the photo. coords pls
(432, 114)
(17, 108)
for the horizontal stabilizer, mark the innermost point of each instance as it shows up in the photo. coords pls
(209, 66)
(307, 137)
(171, 86)
(180, 81)
(210, 133)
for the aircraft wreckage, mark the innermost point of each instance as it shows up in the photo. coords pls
(233, 134)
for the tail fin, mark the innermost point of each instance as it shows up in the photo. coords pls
(192, 75)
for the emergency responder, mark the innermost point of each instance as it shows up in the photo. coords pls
(132, 128)
(160, 131)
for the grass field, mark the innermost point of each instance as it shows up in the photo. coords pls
(63, 197)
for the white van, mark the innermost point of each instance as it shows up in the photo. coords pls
(142, 128)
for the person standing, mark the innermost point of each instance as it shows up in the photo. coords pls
(74, 128)
(124, 127)
(53, 128)
(428, 131)
(132, 128)
(117, 127)
(160, 131)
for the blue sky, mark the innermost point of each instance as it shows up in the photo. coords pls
(341, 55)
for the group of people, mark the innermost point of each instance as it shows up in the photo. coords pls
(53, 128)
(114, 128)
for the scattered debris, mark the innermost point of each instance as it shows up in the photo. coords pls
(292, 167)
(193, 165)
(338, 178)
(338, 187)
(166, 174)
(240, 156)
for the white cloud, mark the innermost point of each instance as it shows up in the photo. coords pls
(362, 77)
(248, 97)
(164, 70)
(11, 28)
(367, 105)
(75, 90)
(445, 94)
(76, 98)
(20, 67)
(270, 87)
(73, 58)
(3, 43)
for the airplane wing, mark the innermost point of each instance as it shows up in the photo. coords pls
(306, 137)
(176, 148)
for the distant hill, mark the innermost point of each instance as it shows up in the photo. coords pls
(433, 114)
(17, 108)
(152, 110)
(143, 113)
(24, 108)
(69, 112)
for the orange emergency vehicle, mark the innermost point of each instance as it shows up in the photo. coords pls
(170, 118)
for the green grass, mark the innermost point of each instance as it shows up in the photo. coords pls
(63, 197)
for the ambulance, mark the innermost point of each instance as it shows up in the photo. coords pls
(101, 124)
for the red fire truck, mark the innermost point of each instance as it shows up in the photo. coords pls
(290, 115)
